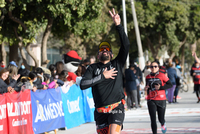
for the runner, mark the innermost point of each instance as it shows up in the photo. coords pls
(106, 80)
(156, 83)
(195, 72)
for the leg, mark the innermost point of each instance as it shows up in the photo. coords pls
(135, 98)
(152, 112)
(169, 95)
(197, 89)
(161, 106)
(173, 89)
(128, 101)
(114, 129)
(116, 119)
(161, 111)
(138, 95)
(101, 122)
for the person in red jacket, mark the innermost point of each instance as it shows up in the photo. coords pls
(156, 83)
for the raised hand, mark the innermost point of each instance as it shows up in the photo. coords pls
(116, 18)
(16, 77)
(109, 74)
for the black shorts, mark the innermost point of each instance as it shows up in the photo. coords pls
(116, 116)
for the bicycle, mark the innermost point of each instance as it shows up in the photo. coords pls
(183, 86)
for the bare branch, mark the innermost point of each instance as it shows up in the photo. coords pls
(17, 20)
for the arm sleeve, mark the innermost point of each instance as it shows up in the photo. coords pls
(52, 84)
(3, 90)
(12, 83)
(167, 85)
(124, 49)
(88, 80)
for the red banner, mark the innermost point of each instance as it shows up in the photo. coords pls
(19, 112)
(3, 115)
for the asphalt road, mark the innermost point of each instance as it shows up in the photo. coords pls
(181, 118)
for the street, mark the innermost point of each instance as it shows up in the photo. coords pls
(182, 118)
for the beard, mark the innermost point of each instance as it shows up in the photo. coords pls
(104, 57)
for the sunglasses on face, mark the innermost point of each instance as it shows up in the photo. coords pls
(153, 66)
(102, 49)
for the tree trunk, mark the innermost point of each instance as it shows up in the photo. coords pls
(32, 55)
(13, 53)
(3, 53)
(21, 46)
(183, 58)
(45, 37)
(180, 45)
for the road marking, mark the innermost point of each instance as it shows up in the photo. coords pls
(169, 130)
(170, 112)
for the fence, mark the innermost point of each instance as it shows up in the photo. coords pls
(45, 110)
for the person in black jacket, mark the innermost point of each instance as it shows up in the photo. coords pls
(23, 71)
(131, 87)
(106, 80)
(5, 84)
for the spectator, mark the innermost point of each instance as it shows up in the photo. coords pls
(23, 72)
(131, 87)
(26, 82)
(172, 77)
(38, 82)
(52, 68)
(59, 67)
(67, 84)
(13, 71)
(138, 73)
(7, 85)
(148, 64)
(85, 64)
(147, 71)
(2, 65)
(79, 70)
(92, 60)
(46, 82)
(177, 81)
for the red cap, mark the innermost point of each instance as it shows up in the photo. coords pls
(73, 54)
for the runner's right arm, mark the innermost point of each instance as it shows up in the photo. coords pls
(88, 80)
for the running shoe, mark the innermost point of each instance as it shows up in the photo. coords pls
(163, 128)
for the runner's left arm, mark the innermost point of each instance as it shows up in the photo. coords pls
(124, 49)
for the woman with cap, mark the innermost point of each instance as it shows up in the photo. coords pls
(156, 83)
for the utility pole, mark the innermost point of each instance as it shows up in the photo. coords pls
(140, 51)
(125, 27)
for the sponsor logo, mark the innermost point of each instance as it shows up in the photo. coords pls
(73, 106)
(49, 111)
(90, 102)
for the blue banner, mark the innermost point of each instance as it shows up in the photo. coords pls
(73, 107)
(88, 104)
(47, 110)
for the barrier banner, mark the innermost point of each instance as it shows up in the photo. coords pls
(88, 105)
(73, 107)
(47, 110)
(3, 115)
(19, 112)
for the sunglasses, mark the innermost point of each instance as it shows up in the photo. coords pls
(153, 66)
(102, 49)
